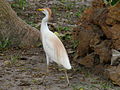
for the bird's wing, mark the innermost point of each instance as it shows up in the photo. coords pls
(52, 44)
(56, 50)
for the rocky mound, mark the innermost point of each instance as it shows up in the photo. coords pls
(98, 38)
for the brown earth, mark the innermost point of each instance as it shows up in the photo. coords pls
(26, 70)
(97, 33)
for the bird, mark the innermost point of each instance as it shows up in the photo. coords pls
(52, 45)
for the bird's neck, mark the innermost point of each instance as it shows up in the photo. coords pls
(44, 24)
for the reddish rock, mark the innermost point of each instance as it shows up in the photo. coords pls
(99, 69)
(113, 73)
(83, 46)
(115, 30)
(116, 44)
(98, 32)
(97, 4)
(103, 51)
(106, 30)
(114, 12)
(110, 21)
(88, 60)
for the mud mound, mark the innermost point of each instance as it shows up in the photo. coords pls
(98, 32)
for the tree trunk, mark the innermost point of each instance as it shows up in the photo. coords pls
(15, 29)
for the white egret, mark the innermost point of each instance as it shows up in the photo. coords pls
(53, 47)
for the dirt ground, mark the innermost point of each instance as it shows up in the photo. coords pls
(25, 69)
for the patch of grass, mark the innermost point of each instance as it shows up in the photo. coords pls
(63, 36)
(81, 10)
(66, 36)
(14, 58)
(111, 2)
(20, 3)
(106, 85)
(69, 6)
(62, 1)
(60, 28)
(75, 43)
(78, 14)
(84, 86)
(4, 43)
(31, 23)
(91, 86)
(78, 88)
(36, 81)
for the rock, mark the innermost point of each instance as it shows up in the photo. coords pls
(103, 51)
(115, 30)
(83, 47)
(88, 60)
(106, 31)
(97, 34)
(99, 69)
(110, 21)
(113, 73)
(97, 4)
(116, 44)
(7, 63)
(115, 60)
(114, 12)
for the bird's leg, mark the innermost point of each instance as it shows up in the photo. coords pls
(68, 82)
(47, 63)
(47, 58)
(47, 68)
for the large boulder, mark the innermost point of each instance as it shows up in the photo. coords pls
(98, 33)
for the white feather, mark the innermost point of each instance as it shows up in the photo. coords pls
(52, 45)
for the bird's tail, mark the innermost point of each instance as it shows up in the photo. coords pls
(65, 62)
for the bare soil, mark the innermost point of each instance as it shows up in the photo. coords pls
(27, 71)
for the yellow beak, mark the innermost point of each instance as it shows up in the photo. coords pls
(39, 9)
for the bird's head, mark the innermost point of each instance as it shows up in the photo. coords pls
(46, 11)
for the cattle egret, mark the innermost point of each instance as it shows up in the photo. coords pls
(53, 47)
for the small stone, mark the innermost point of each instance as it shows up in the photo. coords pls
(7, 62)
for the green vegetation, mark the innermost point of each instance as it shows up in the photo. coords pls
(75, 43)
(106, 85)
(81, 10)
(4, 43)
(93, 86)
(31, 23)
(60, 28)
(14, 58)
(111, 2)
(66, 36)
(20, 3)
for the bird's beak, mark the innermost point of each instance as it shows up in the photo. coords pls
(39, 9)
